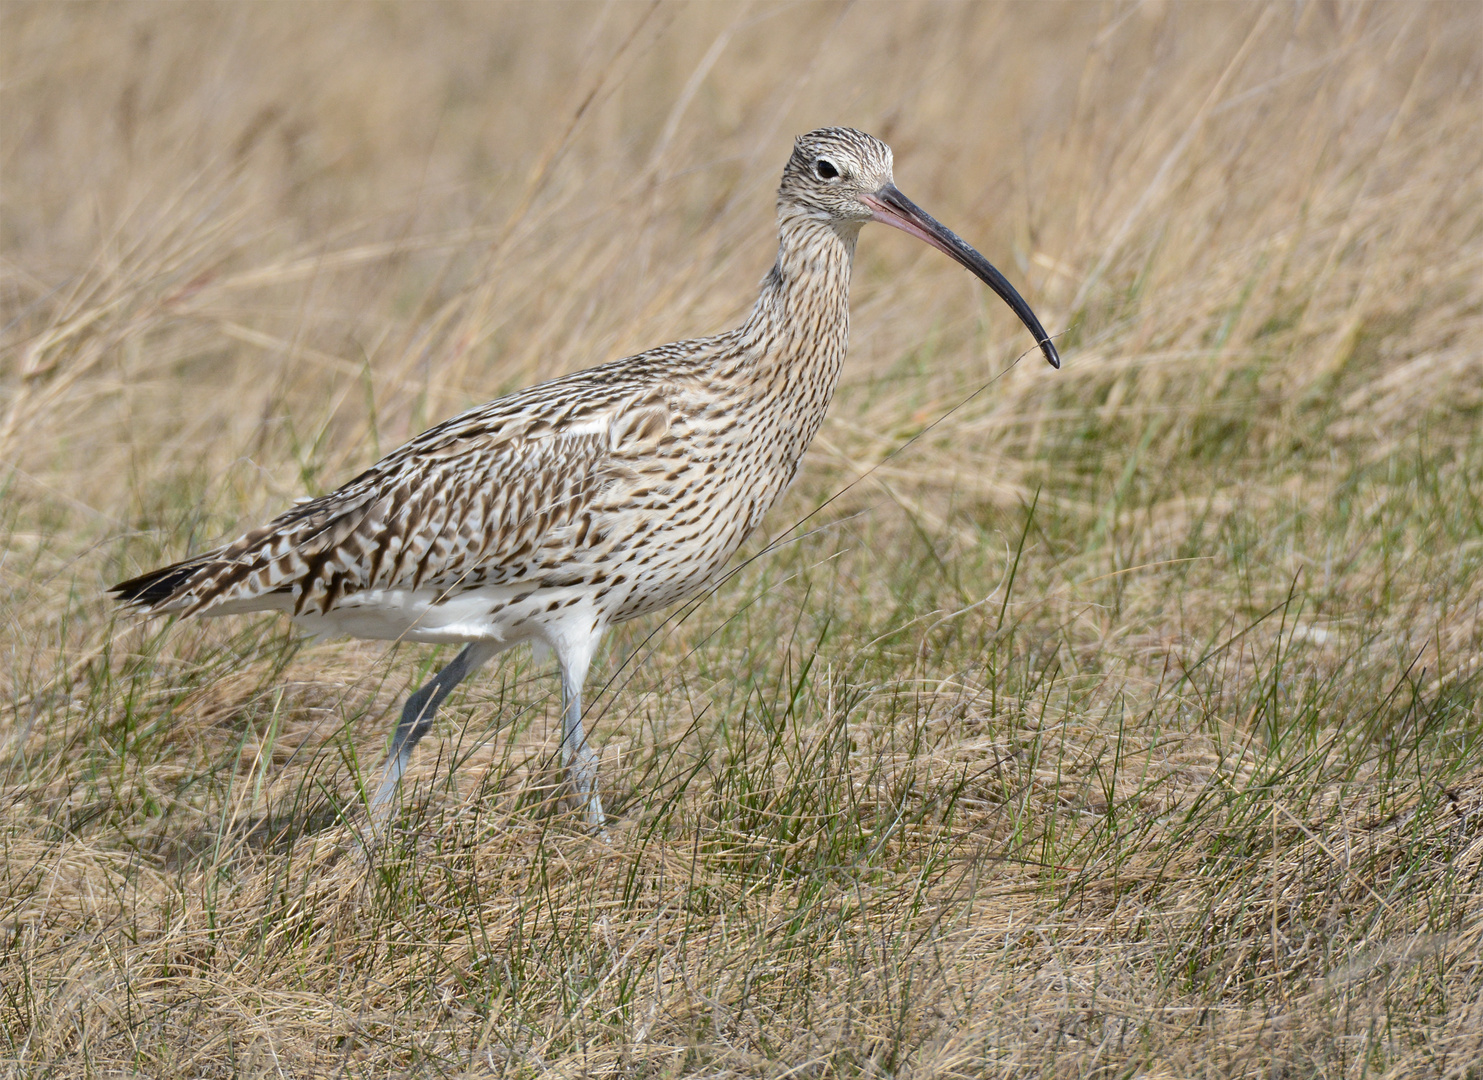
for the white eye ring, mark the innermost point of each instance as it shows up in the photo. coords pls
(825, 169)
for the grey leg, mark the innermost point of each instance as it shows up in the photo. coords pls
(578, 759)
(418, 713)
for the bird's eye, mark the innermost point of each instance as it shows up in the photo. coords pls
(825, 169)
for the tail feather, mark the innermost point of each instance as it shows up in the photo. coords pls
(165, 589)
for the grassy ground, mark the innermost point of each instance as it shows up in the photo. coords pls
(1121, 720)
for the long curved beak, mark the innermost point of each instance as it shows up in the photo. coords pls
(893, 208)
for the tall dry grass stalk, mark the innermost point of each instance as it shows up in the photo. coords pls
(1122, 720)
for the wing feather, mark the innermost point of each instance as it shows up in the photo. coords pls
(460, 510)
(467, 502)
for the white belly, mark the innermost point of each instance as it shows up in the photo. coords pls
(504, 615)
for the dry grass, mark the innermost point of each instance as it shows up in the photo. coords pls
(1118, 721)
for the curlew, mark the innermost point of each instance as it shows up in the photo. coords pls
(556, 512)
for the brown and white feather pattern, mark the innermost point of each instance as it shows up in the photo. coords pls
(613, 492)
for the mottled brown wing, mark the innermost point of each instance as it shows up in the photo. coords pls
(462, 501)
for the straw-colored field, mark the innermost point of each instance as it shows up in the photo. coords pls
(1122, 720)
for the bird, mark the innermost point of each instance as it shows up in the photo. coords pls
(561, 510)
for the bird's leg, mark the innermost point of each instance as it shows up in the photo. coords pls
(417, 717)
(578, 759)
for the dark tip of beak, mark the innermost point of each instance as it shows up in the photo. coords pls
(893, 208)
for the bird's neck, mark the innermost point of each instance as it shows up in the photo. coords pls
(777, 372)
(799, 327)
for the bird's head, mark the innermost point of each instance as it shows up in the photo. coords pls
(843, 177)
(831, 173)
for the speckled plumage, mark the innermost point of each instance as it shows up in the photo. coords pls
(558, 511)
